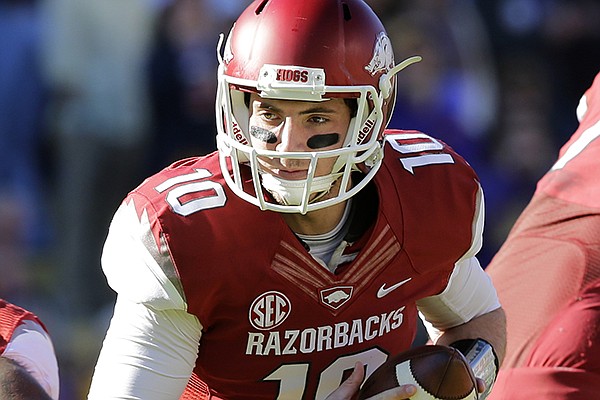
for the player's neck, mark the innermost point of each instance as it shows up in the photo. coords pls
(316, 222)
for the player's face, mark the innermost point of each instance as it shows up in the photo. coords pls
(297, 126)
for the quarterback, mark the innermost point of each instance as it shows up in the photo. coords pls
(296, 259)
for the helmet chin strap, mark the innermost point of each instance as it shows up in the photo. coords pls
(291, 192)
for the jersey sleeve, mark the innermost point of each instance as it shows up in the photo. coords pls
(152, 343)
(147, 354)
(478, 224)
(469, 294)
(445, 195)
(31, 347)
(136, 259)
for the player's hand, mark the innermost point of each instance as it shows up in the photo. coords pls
(351, 386)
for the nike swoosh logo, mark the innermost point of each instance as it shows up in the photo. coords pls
(383, 291)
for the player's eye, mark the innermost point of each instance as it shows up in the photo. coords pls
(317, 119)
(268, 116)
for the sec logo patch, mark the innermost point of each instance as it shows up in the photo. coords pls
(269, 310)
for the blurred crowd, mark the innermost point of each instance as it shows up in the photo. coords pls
(96, 95)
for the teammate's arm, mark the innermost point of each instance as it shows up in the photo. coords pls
(31, 349)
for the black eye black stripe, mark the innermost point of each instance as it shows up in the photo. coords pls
(324, 140)
(262, 134)
(314, 142)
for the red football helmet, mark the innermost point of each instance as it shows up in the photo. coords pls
(308, 50)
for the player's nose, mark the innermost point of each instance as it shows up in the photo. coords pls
(291, 137)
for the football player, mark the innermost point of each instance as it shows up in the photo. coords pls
(309, 242)
(548, 275)
(28, 365)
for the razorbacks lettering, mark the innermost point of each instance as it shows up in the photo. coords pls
(323, 338)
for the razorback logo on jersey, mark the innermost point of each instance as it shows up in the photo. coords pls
(337, 296)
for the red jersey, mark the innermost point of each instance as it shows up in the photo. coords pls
(548, 264)
(574, 178)
(11, 317)
(276, 323)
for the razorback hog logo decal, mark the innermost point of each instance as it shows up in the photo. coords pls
(336, 297)
(383, 56)
(292, 75)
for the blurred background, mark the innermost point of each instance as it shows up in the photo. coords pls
(97, 95)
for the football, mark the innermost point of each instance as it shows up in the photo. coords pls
(438, 372)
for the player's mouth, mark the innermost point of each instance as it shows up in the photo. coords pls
(289, 174)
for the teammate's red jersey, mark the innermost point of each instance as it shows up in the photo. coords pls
(11, 316)
(275, 321)
(547, 275)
